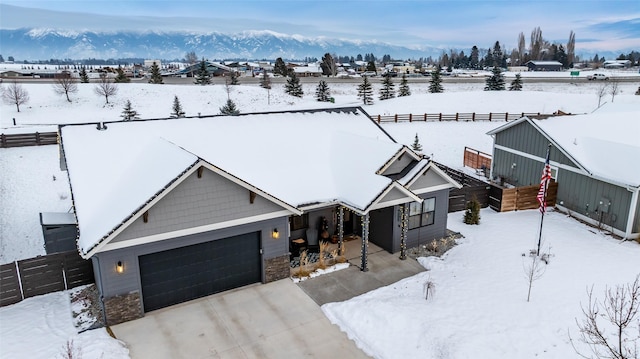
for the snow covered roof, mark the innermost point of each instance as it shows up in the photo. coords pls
(604, 144)
(298, 158)
(535, 62)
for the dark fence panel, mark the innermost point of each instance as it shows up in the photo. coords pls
(9, 285)
(471, 187)
(28, 139)
(42, 275)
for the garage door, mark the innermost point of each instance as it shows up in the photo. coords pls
(178, 275)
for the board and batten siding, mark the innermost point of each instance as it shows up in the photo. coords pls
(525, 138)
(426, 234)
(198, 202)
(113, 283)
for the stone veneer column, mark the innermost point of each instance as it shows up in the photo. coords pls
(276, 268)
(123, 308)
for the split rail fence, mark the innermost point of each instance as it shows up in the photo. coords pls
(41, 275)
(458, 116)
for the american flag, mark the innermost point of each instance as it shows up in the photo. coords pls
(544, 184)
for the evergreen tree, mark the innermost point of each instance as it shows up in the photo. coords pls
(474, 58)
(516, 84)
(365, 91)
(156, 78)
(322, 91)
(121, 77)
(84, 78)
(388, 89)
(177, 108)
(472, 213)
(280, 68)
(435, 84)
(495, 82)
(265, 80)
(371, 66)
(202, 74)
(229, 109)
(293, 87)
(128, 113)
(404, 87)
(233, 78)
(416, 146)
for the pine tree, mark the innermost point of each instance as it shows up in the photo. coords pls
(265, 80)
(229, 109)
(280, 68)
(516, 84)
(293, 87)
(322, 91)
(121, 77)
(365, 91)
(472, 213)
(233, 78)
(388, 89)
(404, 87)
(177, 108)
(84, 78)
(202, 75)
(435, 84)
(156, 78)
(416, 146)
(495, 82)
(128, 113)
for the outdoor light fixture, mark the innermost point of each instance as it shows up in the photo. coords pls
(275, 234)
(120, 267)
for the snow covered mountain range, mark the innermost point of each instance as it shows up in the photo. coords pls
(34, 44)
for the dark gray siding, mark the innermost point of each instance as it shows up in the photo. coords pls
(198, 202)
(315, 218)
(526, 172)
(525, 138)
(117, 284)
(582, 194)
(381, 228)
(438, 229)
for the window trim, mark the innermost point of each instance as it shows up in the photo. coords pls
(424, 214)
(299, 222)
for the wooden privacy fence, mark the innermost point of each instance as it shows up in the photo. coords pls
(28, 139)
(458, 116)
(471, 187)
(41, 275)
(476, 159)
(520, 198)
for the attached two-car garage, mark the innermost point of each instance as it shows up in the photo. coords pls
(185, 273)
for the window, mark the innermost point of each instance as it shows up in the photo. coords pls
(422, 214)
(299, 222)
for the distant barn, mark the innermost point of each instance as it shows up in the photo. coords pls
(544, 66)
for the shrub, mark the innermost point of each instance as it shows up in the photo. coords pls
(472, 213)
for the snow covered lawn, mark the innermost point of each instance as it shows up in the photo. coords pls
(40, 327)
(479, 309)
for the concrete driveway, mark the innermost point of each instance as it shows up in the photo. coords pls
(275, 320)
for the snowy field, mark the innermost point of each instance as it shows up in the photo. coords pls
(480, 308)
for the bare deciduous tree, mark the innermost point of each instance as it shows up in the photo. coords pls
(571, 47)
(105, 88)
(63, 84)
(601, 90)
(533, 271)
(537, 43)
(521, 49)
(611, 327)
(191, 58)
(14, 94)
(614, 88)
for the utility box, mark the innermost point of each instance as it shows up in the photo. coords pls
(604, 205)
(59, 231)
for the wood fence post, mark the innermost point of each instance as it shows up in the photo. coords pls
(37, 138)
(506, 116)
(456, 116)
(473, 116)
(410, 117)
(425, 117)
(3, 140)
(378, 118)
(440, 117)
(490, 116)
(396, 117)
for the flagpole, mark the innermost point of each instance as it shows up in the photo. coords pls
(544, 201)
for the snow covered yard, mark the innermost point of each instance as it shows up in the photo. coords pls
(41, 327)
(479, 307)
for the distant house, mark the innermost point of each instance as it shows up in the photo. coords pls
(593, 159)
(544, 65)
(213, 68)
(177, 209)
(617, 64)
(311, 70)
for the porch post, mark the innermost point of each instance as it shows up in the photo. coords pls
(404, 219)
(365, 242)
(340, 227)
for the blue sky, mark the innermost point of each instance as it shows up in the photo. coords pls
(605, 25)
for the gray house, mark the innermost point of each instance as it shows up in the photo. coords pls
(177, 209)
(593, 159)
